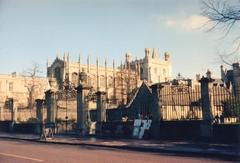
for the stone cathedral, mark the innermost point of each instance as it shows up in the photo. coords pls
(119, 82)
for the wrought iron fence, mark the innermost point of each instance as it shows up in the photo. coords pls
(180, 102)
(225, 105)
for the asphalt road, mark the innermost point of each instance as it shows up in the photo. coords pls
(13, 151)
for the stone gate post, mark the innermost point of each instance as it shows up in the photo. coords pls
(206, 126)
(156, 111)
(51, 104)
(101, 114)
(82, 109)
(39, 113)
(82, 105)
(14, 111)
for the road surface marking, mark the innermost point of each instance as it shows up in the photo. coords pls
(22, 157)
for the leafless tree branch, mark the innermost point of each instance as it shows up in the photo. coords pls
(223, 14)
(31, 85)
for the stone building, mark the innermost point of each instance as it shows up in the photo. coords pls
(22, 89)
(232, 78)
(151, 68)
(119, 82)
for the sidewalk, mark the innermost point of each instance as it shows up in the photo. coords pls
(218, 150)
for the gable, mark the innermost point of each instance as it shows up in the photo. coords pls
(142, 95)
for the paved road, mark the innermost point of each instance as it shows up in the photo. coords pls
(12, 151)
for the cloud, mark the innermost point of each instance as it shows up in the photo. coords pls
(193, 22)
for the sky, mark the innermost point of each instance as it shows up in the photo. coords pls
(37, 30)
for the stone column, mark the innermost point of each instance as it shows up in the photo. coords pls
(156, 111)
(101, 114)
(82, 109)
(156, 105)
(51, 104)
(14, 109)
(39, 113)
(100, 106)
(206, 126)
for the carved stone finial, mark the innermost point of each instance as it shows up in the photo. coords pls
(83, 77)
(209, 74)
(147, 52)
(166, 56)
(53, 82)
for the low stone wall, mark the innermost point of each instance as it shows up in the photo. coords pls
(27, 115)
(23, 115)
(227, 133)
(27, 128)
(117, 129)
(187, 130)
(175, 130)
(4, 126)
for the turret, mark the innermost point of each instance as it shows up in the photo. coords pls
(48, 63)
(236, 79)
(155, 54)
(128, 57)
(223, 73)
(64, 57)
(166, 56)
(147, 53)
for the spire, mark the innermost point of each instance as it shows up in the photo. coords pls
(68, 56)
(147, 53)
(79, 68)
(64, 56)
(155, 53)
(128, 58)
(167, 56)
(114, 82)
(58, 56)
(48, 62)
(105, 62)
(122, 100)
(97, 75)
(88, 64)
(121, 66)
(113, 65)
(106, 67)
(106, 77)
(68, 64)
(79, 63)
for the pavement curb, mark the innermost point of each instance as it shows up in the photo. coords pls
(228, 156)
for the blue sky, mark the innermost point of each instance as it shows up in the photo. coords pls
(35, 30)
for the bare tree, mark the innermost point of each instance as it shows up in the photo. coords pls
(32, 84)
(223, 14)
